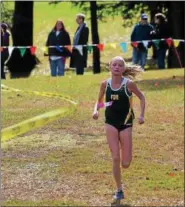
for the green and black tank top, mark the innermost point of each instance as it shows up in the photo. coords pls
(121, 109)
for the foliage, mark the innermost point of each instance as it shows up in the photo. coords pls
(6, 13)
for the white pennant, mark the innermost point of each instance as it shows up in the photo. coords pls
(10, 50)
(79, 48)
(145, 43)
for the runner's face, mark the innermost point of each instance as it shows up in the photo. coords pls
(117, 67)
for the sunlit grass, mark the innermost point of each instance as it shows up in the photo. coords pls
(68, 161)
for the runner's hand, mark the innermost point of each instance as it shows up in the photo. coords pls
(95, 115)
(141, 120)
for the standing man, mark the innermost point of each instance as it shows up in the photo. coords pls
(79, 61)
(141, 31)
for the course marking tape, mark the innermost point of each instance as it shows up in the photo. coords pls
(37, 121)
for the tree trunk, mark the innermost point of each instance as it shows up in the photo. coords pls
(22, 35)
(176, 21)
(95, 37)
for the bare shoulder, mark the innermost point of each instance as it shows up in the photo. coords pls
(131, 86)
(130, 83)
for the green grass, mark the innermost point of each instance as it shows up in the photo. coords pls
(68, 161)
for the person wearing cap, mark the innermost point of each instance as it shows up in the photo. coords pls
(141, 32)
(5, 40)
(79, 61)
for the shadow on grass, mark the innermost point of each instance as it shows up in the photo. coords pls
(118, 204)
(162, 84)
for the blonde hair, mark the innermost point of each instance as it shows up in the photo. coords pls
(131, 70)
(81, 16)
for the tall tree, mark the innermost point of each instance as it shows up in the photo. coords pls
(22, 35)
(95, 37)
(176, 13)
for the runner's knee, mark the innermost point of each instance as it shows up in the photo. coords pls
(115, 158)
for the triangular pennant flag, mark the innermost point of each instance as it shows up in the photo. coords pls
(134, 44)
(123, 46)
(69, 47)
(169, 41)
(113, 45)
(45, 50)
(22, 50)
(156, 42)
(32, 50)
(10, 50)
(100, 46)
(89, 48)
(2, 49)
(59, 48)
(176, 43)
(79, 48)
(145, 43)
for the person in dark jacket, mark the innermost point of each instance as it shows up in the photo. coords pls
(57, 55)
(141, 32)
(79, 61)
(161, 31)
(5, 41)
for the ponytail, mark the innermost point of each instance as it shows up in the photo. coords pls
(132, 71)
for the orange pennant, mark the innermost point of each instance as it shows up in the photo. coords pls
(2, 49)
(134, 44)
(100, 46)
(169, 42)
(69, 48)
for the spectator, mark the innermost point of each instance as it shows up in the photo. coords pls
(57, 55)
(5, 41)
(161, 31)
(141, 32)
(81, 36)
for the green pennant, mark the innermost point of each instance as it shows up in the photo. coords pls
(22, 50)
(156, 42)
(89, 48)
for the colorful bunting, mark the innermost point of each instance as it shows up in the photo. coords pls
(32, 50)
(134, 44)
(79, 48)
(10, 50)
(89, 48)
(22, 50)
(176, 43)
(101, 47)
(156, 42)
(113, 45)
(123, 46)
(59, 48)
(145, 43)
(169, 42)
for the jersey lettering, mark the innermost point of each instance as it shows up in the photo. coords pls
(114, 97)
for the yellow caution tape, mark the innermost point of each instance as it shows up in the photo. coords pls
(38, 121)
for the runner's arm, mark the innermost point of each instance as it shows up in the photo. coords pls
(100, 96)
